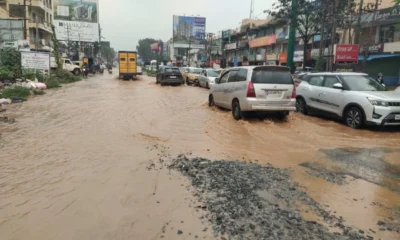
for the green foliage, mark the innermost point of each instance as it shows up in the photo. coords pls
(320, 64)
(108, 53)
(52, 83)
(150, 72)
(5, 73)
(29, 74)
(11, 60)
(64, 76)
(56, 48)
(38, 92)
(17, 91)
(143, 49)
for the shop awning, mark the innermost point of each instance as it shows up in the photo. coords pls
(372, 57)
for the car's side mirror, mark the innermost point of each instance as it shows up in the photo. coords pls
(338, 86)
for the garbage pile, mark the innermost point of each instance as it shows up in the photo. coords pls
(250, 201)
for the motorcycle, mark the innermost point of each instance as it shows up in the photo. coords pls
(85, 72)
(110, 70)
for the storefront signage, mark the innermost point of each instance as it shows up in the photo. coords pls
(298, 56)
(271, 57)
(226, 34)
(346, 53)
(315, 52)
(283, 58)
(263, 41)
(377, 48)
(230, 46)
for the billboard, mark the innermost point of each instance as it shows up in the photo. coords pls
(189, 32)
(35, 60)
(76, 20)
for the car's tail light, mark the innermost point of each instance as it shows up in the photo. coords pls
(294, 93)
(251, 92)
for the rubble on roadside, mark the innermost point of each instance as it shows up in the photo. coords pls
(250, 201)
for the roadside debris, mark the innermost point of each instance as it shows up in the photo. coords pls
(7, 120)
(250, 201)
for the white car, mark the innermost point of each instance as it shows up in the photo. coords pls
(255, 89)
(207, 77)
(354, 97)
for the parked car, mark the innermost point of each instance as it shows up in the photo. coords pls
(255, 88)
(207, 77)
(354, 97)
(67, 64)
(192, 75)
(397, 89)
(169, 75)
(299, 78)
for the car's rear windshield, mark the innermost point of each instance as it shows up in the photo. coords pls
(213, 73)
(174, 70)
(271, 76)
(195, 70)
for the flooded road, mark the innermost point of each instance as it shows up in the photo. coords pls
(86, 161)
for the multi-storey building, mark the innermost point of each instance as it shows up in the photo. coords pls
(38, 16)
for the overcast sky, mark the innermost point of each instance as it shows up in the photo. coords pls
(124, 22)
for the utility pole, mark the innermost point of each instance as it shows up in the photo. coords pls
(25, 18)
(37, 34)
(252, 4)
(67, 40)
(190, 41)
(292, 36)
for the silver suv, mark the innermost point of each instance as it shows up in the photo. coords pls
(354, 97)
(255, 88)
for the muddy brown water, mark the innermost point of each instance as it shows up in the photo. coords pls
(75, 164)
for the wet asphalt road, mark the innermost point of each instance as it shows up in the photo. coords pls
(88, 161)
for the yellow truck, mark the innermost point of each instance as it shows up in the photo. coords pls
(127, 64)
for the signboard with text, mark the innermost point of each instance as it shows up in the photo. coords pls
(35, 60)
(263, 41)
(230, 46)
(76, 20)
(189, 32)
(346, 53)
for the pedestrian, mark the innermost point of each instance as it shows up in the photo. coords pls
(380, 78)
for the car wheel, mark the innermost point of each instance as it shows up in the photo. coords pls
(77, 72)
(207, 86)
(354, 118)
(211, 102)
(284, 116)
(187, 81)
(236, 111)
(301, 106)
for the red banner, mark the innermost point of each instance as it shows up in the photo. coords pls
(346, 53)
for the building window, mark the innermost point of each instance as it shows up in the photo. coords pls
(389, 33)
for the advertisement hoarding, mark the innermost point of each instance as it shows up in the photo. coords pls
(35, 60)
(154, 47)
(76, 20)
(263, 41)
(189, 32)
(230, 46)
(346, 53)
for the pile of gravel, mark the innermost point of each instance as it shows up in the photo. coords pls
(249, 201)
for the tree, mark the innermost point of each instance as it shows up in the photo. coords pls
(307, 24)
(143, 49)
(56, 48)
(108, 53)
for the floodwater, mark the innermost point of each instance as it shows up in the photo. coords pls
(84, 162)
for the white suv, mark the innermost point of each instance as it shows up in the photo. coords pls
(255, 88)
(354, 97)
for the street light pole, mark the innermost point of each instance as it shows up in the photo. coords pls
(292, 35)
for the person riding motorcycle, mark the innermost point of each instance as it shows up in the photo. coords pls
(85, 69)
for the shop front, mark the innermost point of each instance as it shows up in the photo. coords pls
(260, 45)
(282, 59)
(271, 59)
